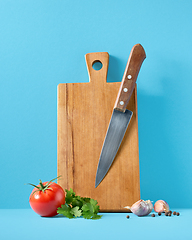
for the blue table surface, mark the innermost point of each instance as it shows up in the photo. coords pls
(26, 224)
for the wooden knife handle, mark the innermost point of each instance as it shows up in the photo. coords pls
(134, 63)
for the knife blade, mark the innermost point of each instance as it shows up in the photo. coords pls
(121, 116)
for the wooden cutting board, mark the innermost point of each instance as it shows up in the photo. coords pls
(84, 112)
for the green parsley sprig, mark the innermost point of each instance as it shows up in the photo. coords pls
(76, 206)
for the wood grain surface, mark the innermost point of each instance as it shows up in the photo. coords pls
(84, 112)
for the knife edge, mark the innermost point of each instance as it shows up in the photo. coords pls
(112, 142)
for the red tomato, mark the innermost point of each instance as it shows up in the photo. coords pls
(46, 198)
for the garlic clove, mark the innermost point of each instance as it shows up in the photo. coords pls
(150, 206)
(141, 208)
(161, 206)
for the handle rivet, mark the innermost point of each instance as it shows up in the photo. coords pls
(121, 103)
(125, 90)
(129, 76)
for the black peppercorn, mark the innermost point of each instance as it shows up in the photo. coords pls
(177, 213)
(166, 213)
(174, 213)
(169, 214)
(153, 215)
(159, 213)
(127, 216)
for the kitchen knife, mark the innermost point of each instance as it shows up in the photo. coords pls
(120, 116)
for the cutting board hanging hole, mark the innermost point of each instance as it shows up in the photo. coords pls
(97, 65)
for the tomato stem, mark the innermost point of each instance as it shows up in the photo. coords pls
(44, 187)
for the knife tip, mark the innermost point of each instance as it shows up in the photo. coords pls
(97, 182)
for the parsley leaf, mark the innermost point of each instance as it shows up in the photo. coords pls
(69, 196)
(76, 206)
(76, 211)
(90, 210)
(65, 210)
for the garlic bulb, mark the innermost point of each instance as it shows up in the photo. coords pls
(141, 208)
(161, 206)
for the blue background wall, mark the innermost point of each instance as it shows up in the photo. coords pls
(43, 43)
